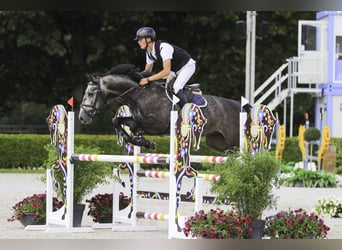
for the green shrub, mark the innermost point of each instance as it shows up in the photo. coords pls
(28, 150)
(309, 178)
(292, 151)
(22, 150)
(87, 174)
(312, 134)
(247, 181)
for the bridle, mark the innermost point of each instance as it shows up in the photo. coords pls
(90, 109)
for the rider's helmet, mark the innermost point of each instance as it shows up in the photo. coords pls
(145, 32)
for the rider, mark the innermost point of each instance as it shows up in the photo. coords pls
(175, 60)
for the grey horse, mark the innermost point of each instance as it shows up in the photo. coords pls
(150, 107)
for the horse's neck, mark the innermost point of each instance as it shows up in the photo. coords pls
(117, 86)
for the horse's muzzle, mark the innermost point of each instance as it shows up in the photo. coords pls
(84, 117)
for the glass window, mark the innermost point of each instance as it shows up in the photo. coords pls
(309, 37)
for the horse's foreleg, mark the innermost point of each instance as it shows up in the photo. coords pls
(137, 137)
(118, 126)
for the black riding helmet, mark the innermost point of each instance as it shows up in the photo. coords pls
(145, 32)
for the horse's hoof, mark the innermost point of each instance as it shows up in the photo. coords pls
(152, 146)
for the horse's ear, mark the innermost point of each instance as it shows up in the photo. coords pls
(88, 76)
(91, 78)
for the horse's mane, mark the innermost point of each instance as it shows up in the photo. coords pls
(130, 70)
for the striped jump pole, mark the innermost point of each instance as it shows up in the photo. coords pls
(164, 174)
(145, 158)
(121, 158)
(152, 216)
(194, 158)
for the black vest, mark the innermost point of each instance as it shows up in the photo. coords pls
(180, 56)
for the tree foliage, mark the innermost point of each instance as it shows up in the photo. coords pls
(45, 54)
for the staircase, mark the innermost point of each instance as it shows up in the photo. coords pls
(276, 89)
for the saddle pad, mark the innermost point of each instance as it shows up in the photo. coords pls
(199, 100)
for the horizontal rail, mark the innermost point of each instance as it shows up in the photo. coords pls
(164, 174)
(196, 158)
(145, 158)
(184, 197)
(121, 158)
(152, 216)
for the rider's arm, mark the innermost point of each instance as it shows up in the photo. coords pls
(148, 67)
(164, 72)
(161, 74)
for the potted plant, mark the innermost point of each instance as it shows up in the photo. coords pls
(295, 224)
(248, 181)
(32, 210)
(87, 176)
(329, 206)
(307, 178)
(101, 206)
(218, 224)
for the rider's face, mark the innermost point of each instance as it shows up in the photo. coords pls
(143, 43)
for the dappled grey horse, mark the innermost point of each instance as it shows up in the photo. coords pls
(150, 108)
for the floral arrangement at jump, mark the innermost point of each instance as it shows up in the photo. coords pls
(218, 224)
(35, 205)
(101, 205)
(295, 224)
(329, 207)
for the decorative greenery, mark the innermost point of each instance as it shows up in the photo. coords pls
(218, 224)
(87, 175)
(101, 205)
(248, 181)
(329, 206)
(295, 224)
(312, 134)
(309, 178)
(36, 205)
(30, 150)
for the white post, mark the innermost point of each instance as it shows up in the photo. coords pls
(198, 194)
(250, 56)
(136, 167)
(49, 195)
(116, 193)
(172, 177)
(70, 172)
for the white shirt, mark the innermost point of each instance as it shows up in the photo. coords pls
(166, 52)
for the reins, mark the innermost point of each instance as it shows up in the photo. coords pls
(126, 92)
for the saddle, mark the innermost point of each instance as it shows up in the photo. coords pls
(192, 92)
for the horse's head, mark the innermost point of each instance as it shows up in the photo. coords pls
(92, 101)
(117, 83)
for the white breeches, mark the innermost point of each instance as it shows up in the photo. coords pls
(183, 75)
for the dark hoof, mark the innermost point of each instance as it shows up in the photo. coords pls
(152, 146)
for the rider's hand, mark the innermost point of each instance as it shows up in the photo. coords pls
(144, 81)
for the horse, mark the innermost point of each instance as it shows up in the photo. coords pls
(150, 107)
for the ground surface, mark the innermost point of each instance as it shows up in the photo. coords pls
(15, 187)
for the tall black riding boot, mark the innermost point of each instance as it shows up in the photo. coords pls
(182, 97)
